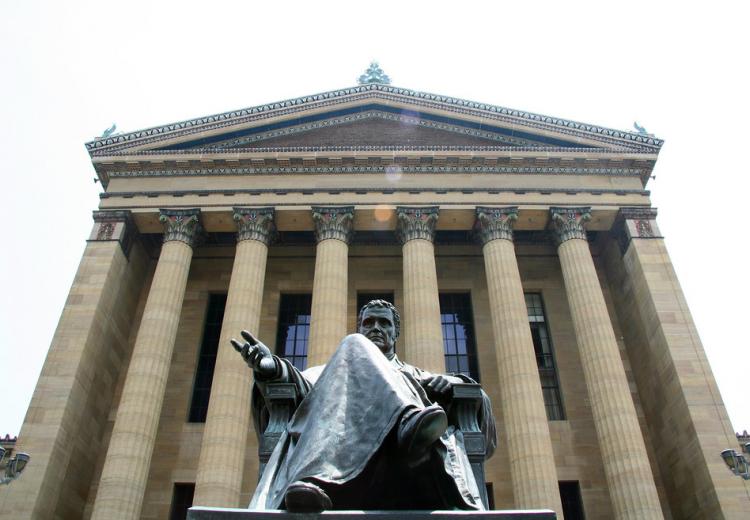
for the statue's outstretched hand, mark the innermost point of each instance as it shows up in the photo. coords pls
(256, 355)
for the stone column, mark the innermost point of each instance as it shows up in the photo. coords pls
(222, 459)
(123, 479)
(423, 334)
(333, 230)
(626, 465)
(62, 419)
(532, 462)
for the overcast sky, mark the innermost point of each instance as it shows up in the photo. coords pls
(71, 69)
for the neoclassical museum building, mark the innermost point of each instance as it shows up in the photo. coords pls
(521, 249)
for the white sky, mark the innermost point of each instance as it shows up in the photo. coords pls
(68, 70)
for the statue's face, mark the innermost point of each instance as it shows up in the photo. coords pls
(377, 326)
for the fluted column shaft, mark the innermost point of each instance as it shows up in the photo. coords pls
(221, 464)
(534, 483)
(626, 466)
(423, 335)
(125, 472)
(333, 228)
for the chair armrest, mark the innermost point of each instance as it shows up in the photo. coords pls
(463, 412)
(281, 401)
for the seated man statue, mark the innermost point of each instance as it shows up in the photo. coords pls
(370, 432)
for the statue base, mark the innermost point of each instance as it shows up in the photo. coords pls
(218, 513)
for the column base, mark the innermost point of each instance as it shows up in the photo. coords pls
(218, 513)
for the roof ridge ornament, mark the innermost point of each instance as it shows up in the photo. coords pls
(374, 74)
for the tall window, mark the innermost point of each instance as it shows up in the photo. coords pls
(458, 334)
(294, 328)
(545, 358)
(570, 496)
(182, 499)
(204, 373)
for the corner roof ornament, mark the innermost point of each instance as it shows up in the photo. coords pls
(641, 130)
(374, 74)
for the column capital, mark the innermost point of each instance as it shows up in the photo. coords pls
(416, 223)
(114, 225)
(254, 224)
(635, 222)
(181, 225)
(495, 223)
(334, 222)
(569, 223)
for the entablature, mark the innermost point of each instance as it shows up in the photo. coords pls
(372, 161)
(375, 218)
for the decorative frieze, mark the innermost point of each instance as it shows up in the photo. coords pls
(569, 223)
(254, 224)
(416, 223)
(106, 230)
(333, 222)
(378, 168)
(495, 223)
(637, 213)
(113, 225)
(182, 225)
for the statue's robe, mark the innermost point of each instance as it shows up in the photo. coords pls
(341, 437)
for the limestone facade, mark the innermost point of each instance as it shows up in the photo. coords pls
(376, 189)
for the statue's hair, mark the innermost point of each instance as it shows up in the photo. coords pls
(386, 305)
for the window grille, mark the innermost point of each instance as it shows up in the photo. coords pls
(294, 328)
(457, 320)
(545, 358)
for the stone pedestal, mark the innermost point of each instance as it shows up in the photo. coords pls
(204, 513)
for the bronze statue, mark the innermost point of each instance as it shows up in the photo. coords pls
(370, 432)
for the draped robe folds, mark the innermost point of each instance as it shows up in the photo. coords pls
(348, 408)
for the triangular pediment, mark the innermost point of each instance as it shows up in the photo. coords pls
(377, 116)
(375, 126)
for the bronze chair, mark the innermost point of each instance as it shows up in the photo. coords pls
(282, 399)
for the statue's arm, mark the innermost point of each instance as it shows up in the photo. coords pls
(437, 386)
(275, 409)
(440, 386)
(267, 368)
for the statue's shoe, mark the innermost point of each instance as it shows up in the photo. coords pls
(306, 497)
(420, 429)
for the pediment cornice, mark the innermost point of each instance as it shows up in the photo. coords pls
(215, 126)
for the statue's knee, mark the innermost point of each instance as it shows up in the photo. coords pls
(355, 340)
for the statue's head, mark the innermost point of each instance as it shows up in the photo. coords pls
(380, 322)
